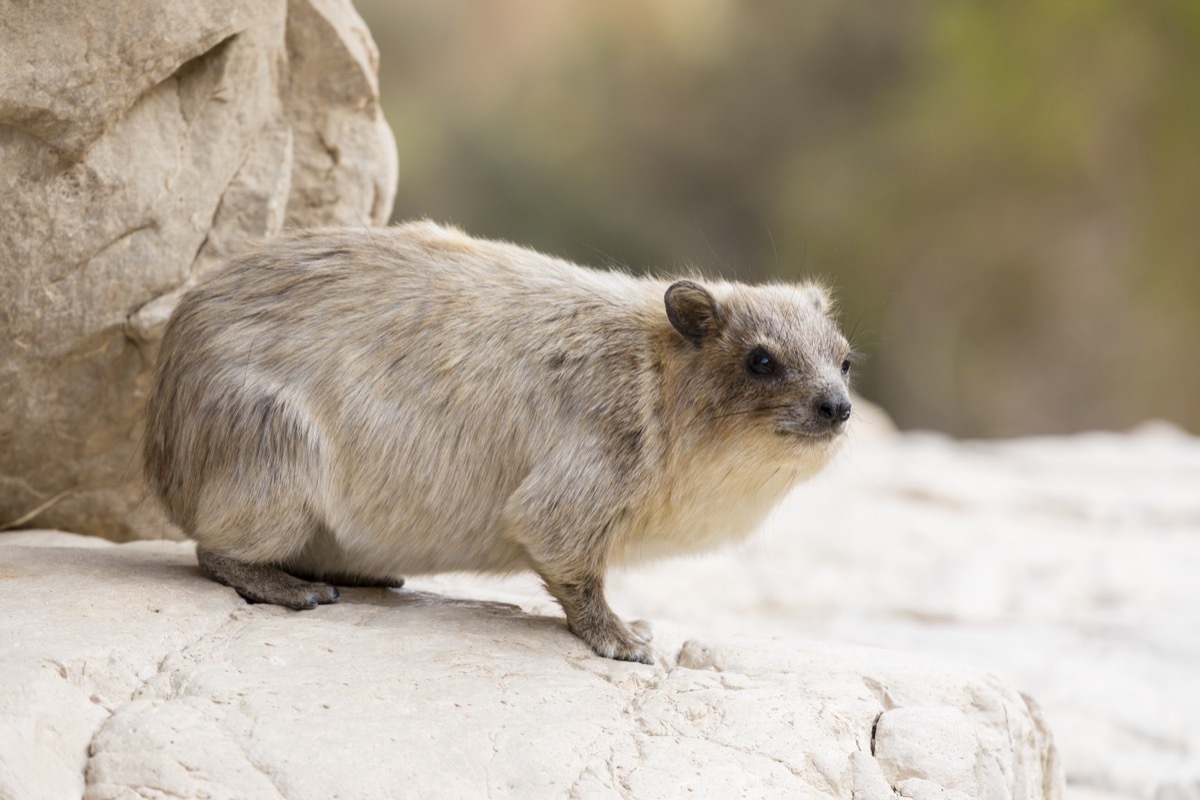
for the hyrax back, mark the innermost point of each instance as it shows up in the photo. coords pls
(346, 406)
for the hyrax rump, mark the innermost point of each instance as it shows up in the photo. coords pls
(349, 406)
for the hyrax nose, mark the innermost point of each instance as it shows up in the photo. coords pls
(833, 407)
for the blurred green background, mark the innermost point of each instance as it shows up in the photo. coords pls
(1006, 196)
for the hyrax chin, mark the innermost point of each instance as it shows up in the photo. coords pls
(349, 406)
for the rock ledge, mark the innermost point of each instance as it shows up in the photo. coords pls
(129, 675)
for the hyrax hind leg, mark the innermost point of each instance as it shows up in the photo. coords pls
(263, 583)
(323, 560)
(353, 580)
(254, 506)
(245, 540)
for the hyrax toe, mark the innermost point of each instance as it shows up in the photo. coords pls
(615, 642)
(299, 597)
(630, 651)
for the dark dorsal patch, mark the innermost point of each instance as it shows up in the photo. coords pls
(693, 311)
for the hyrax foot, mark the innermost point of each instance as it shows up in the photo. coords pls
(346, 579)
(365, 581)
(615, 641)
(590, 618)
(261, 583)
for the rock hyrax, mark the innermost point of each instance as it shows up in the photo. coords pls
(349, 406)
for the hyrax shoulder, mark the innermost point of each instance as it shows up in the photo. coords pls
(348, 406)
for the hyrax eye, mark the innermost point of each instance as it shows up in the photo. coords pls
(846, 366)
(760, 362)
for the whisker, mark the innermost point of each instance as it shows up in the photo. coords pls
(774, 250)
(610, 259)
(712, 250)
(754, 410)
(769, 477)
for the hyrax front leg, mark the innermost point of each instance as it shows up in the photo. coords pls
(565, 517)
(590, 618)
(262, 583)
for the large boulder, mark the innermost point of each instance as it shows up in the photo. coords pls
(139, 143)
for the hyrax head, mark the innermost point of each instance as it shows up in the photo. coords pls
(764, 360)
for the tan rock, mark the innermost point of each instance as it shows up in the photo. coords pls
(138, 142)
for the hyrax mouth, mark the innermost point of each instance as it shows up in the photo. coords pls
(812, 431)
(823, 418)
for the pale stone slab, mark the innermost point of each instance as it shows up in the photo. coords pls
(129, 675)
(1066, 566)
(1063, 566)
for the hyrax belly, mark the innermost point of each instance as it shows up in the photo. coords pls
(345, 407)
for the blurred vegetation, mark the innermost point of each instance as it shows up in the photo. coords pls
(1005, 196)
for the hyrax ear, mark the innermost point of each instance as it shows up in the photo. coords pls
(822, 300)
(693, 311)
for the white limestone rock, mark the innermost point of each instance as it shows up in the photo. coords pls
(130, 675)
(1066, 566)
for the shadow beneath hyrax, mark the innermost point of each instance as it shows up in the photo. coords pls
(177, 574)
(405, 597)
(166, 577)
(455, 616)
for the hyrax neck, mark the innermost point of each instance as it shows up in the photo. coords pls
(706, 497)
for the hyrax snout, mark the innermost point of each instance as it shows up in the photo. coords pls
(343, 407)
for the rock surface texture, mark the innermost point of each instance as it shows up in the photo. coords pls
(1067, 567)
(139, 142)
(127, 675)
